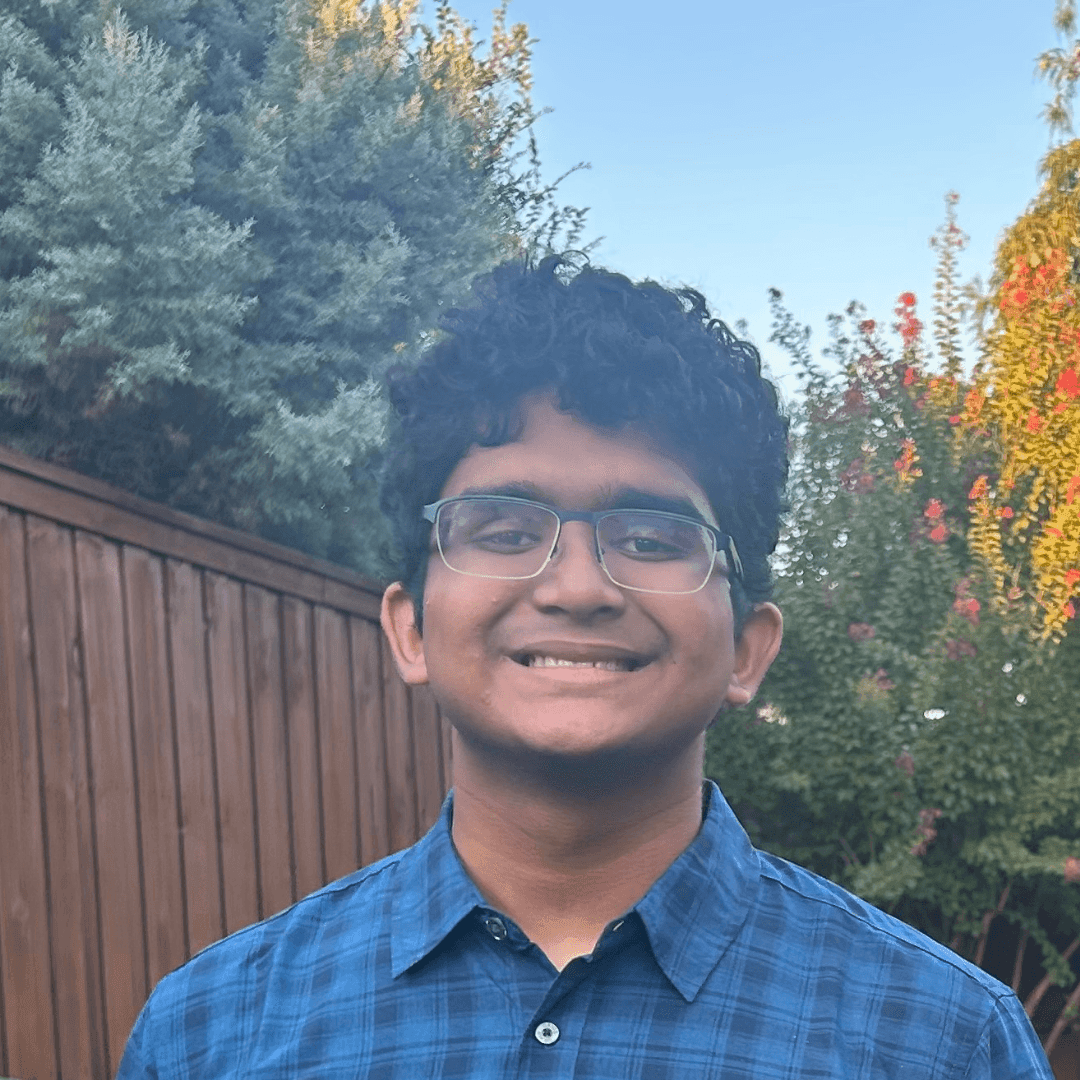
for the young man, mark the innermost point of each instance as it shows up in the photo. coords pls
(585, 487)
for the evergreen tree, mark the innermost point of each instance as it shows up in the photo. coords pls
(220, 223)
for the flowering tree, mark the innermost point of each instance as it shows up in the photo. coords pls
(1025, 397)
(1024, 400)
(915, 745)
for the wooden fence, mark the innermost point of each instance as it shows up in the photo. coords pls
(196, 729)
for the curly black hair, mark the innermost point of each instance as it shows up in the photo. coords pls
(613, 353)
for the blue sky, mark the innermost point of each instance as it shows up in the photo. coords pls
(806, 146)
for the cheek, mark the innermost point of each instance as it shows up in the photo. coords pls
(457, 618)
(704, 643)
(704, 624)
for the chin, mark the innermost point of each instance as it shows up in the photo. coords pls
(590, 746)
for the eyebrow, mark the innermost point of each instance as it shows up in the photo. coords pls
(608, 498)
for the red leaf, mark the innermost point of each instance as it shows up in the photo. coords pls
(1068, 383)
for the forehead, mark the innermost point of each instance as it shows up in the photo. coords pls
(574, 465)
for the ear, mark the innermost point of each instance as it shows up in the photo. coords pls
(398, 619)
(754, 652)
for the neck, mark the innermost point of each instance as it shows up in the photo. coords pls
(562, 859)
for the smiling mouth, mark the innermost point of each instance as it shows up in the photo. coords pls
(537, 661)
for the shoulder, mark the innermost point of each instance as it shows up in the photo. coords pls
(836, 920)
(906, 1001)
(245, 974)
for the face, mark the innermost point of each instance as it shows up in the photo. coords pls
(664, 663)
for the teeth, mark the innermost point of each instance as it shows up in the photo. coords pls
(551, 661)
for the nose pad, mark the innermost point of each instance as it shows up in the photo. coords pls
(557, 551)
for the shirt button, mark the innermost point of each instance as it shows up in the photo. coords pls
(546, 1033)
(495, 927)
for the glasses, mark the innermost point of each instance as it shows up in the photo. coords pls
(509, 539)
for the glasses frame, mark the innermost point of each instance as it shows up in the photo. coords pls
(722, 542)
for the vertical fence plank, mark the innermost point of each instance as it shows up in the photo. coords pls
(365, 652)
(270, 749)
(30, 1044)
(427, 737)
(195, 749)
(337, 743)
(155, 765)
(400, 760)
(76, 961)
(228, 687)
(303, 744)
(113, 792)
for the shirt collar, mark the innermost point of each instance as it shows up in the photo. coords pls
(696, 908)
(691, 914)
(432, 894)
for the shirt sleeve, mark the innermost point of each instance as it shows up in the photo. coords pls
(1009, 1048)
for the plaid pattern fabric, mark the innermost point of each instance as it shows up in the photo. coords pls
(736, 964)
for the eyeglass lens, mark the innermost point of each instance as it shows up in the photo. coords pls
(639, 549)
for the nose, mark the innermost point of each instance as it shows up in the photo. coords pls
(575, 580)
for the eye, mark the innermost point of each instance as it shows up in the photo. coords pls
(647, 537)
(650, 547)
(498, 527)
(508, 540)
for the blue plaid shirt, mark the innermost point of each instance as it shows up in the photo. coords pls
(735, 964)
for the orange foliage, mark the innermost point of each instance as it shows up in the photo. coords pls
(1020, 405)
